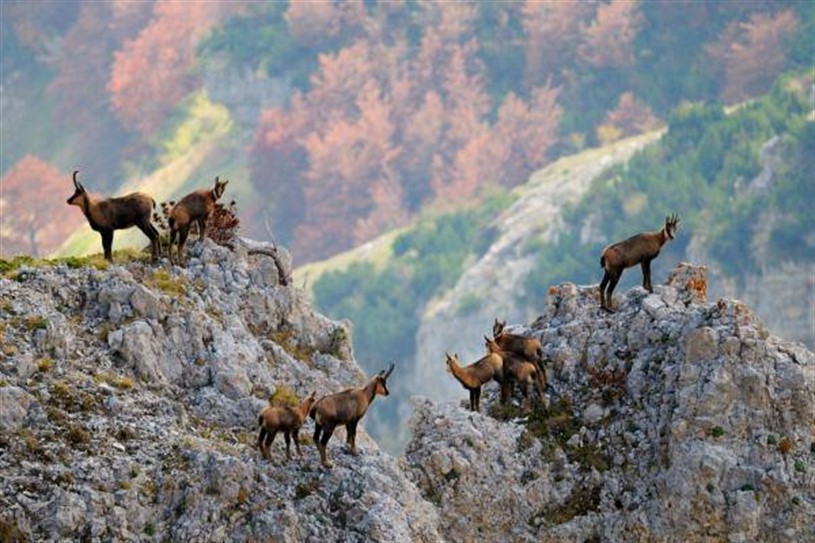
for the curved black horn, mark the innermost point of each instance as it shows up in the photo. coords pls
(390, 370)
(76, 183)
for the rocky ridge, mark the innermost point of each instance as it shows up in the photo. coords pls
(128, 404)
(673, 419)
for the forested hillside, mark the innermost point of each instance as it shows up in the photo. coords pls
(353, 117)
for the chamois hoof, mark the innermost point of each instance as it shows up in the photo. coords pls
(327, 465)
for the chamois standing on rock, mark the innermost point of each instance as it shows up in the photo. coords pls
(640, 249)
(477, 374)
(194, 207)
(529, 348)
(345, 408)
(109, 214)
(287, 419)
(517, 369)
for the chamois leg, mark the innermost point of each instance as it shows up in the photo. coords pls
(603, 285)
(173, 233)
(328, 430)
(612, 284)
(351, 437)
(646, 275)
(107, 244)
(288, 445)
(261, 439)
(269, 439)
(296, 436)
(478, 399)
(183, 232)
(151, 233)
(202, 228)
(525, 394)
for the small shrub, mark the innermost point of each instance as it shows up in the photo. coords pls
(36, 322)
(45, 364)
(243, 495)
(77, 435)
(771, 440)
(785, 446)
(150, 529)
(284, 396)
(800, 467)
(164, 281)
(717, 431)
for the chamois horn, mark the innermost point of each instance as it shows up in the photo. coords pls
(387, 374)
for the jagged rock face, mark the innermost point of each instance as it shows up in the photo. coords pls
(672, 419)
(129, 401)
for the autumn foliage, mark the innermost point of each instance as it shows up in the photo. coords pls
(33, 210)
(388, 108)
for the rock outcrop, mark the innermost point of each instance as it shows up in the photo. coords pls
(673, 419)
(128, 405)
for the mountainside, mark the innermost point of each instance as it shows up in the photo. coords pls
(673, 419)
(128, 405)
(129, 396)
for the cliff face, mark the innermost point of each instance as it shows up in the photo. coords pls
(673, 419)
(128, 405)
(128, 399)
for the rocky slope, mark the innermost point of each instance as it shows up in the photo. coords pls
(128, 399)
(673, 419)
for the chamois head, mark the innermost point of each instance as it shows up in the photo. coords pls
(305, 405)
(381, 379)
(452, 359)
(671, 225)
(491, 346)
(80, 194)
(219, 188)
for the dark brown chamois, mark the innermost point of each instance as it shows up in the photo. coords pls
(476, 375)
(345, 408)
(517, 370)
(529, 348)
(640, 249)
(109, 214)
(287, 419)
(194, 207)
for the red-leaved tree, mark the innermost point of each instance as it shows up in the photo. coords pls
(33, 213)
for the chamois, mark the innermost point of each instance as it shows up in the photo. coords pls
(345, 408)
(287, 419)
(196, 206)
(477, 374)
(517, 369)
(109, 214)
(640, 249)
(528, 348)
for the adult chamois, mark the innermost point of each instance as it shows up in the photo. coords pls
(194, 207)
(528, 348)
(517, 370)
(640, 249)
(477, 374)
(109, 214)
(345, 408)
(287, 419)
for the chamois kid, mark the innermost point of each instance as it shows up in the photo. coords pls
(517, 370)
(640, 249)
(477, 374)
(345, 408)
(528, 348)
(109, 214)
(194, 207)
(287, 419)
